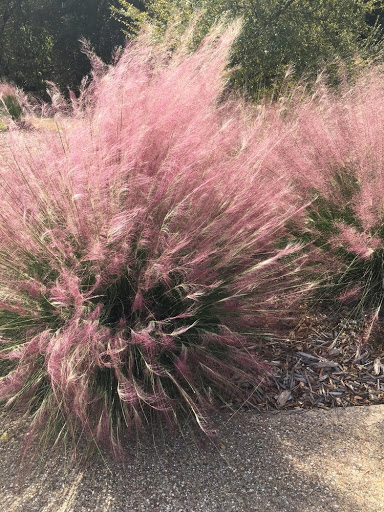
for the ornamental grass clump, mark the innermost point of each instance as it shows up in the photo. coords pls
(334, 154)
(140, 251)
(13, 101)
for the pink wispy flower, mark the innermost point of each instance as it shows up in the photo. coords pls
(360, 243)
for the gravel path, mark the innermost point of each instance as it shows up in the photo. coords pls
(276, 462)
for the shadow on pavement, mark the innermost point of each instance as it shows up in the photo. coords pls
(307, 461)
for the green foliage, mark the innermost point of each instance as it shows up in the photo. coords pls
(130, 16)
(160, 13)
(39, 41)
(280, 41)
(12, 106)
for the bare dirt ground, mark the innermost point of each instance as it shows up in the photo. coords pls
(302, 461)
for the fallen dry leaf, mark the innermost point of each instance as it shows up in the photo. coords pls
(4, 437)
(283, 398)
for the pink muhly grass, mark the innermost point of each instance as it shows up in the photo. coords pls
(333, 150)
(354, 241)
(140, 250)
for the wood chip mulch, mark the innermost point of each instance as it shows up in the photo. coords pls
(326, 362)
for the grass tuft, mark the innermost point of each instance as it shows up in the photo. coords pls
(140, 251)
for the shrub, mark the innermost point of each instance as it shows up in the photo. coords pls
(139, 250)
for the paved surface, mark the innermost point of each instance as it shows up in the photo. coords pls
(302, 461)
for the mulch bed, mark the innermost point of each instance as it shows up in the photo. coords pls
(325, 362)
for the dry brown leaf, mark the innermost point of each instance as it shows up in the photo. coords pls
(283, 398)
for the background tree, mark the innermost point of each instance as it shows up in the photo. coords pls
(91, 20)
(279, 36)
(39, 40)
(26, 43)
